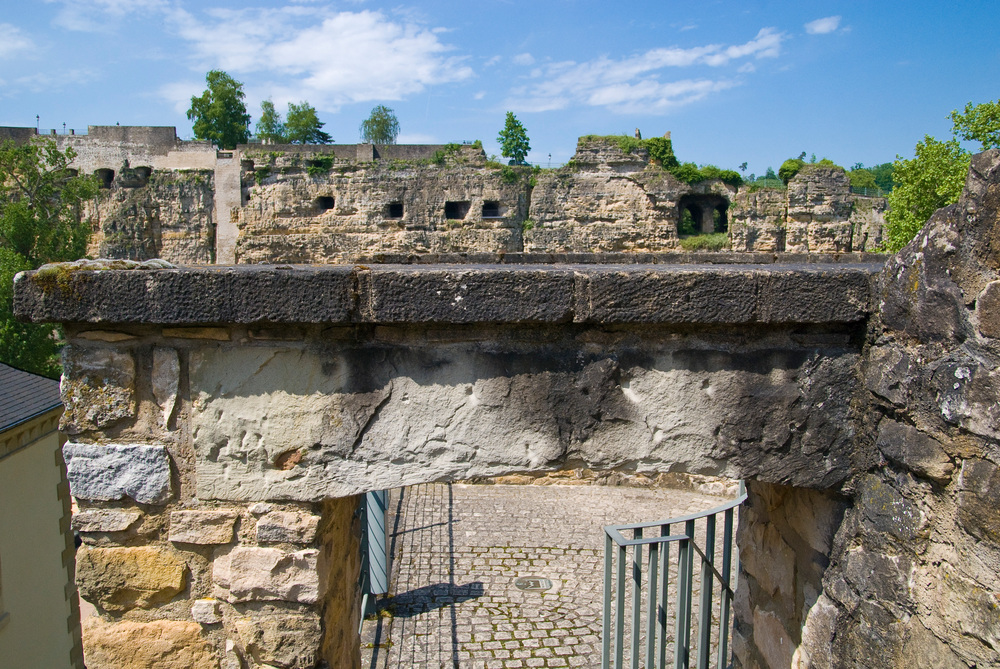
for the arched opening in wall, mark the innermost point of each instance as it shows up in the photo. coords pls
(394, 210)
(702, 214)
(456, 211)
(324, 203)
(105, 177)
(720, 218)
(491, 209)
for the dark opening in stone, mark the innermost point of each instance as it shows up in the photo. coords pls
(699, 214)
(395, 210)
(456, 210)
(491, 209)
(324, 203)
(104, 177)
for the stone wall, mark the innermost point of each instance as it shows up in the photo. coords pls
(817, 213)
(302, 211)
(914, 568)
(168, 214)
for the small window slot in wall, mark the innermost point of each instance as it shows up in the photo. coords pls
(325, 203)
(395, 210)
(456, 211)
(491, 209)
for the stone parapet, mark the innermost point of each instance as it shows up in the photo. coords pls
(656, 294)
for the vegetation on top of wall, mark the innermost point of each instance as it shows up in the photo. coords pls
(661, 152)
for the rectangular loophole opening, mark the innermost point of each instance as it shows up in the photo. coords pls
(395, 210)
(491, 209)
(456, 211)
(325, 202)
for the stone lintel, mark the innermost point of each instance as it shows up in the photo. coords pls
(724, 294)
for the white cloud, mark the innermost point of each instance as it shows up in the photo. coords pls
(823, 26)
(329, 58)
(100, 15)
(492, 61)
(13, 41)
(523, 59)
(479, 95)
(633, 85)
(179, 94)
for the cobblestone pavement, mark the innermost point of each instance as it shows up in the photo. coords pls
(458, 550)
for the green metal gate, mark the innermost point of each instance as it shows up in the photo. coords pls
(638, 567)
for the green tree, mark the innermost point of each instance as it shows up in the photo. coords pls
(980, 123)
(270, 127)
(41, 220)
(883, 176)
(790, 168)
(219, 114)
(862, 178)
(513, 140)
(932, 179)
(302, 126)
(381, 127)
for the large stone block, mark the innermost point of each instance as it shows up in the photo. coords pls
(281, 638)
(119, 579)
(97, 388)
(165, 379)
(105, 520)
(290, 526)
(163, 644)
(979, 500)
(108, 472)
(907, 446)
(254, 574)
(202, 527)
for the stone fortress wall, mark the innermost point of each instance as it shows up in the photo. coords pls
(189, 203)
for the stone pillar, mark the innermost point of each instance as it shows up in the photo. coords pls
(179, 581)
(228, 195)
(782, 617)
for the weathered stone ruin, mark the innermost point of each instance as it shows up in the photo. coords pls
(816, 213)
(220, 430)
(188, 203)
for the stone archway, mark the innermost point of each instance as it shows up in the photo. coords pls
(244, 422)
(708, 213)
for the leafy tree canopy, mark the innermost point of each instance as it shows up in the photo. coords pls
(302, 126)
(381, 127)
(219, 113)
(270, 127)
(979, 123)
(513, 140)
(41, 220)
(790, 168)
(932, 179)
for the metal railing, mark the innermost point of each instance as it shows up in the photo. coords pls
(648, 626)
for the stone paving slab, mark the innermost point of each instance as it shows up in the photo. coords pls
(458, 550)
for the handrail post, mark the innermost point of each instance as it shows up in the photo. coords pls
(705, 607)
(636, 597)
(606, 623)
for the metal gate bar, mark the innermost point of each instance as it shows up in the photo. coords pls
(624, 567)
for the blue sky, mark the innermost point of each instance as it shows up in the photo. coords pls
(756, 81)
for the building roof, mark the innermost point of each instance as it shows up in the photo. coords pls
(24, 395)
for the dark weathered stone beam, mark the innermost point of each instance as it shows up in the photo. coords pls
(722, 294)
